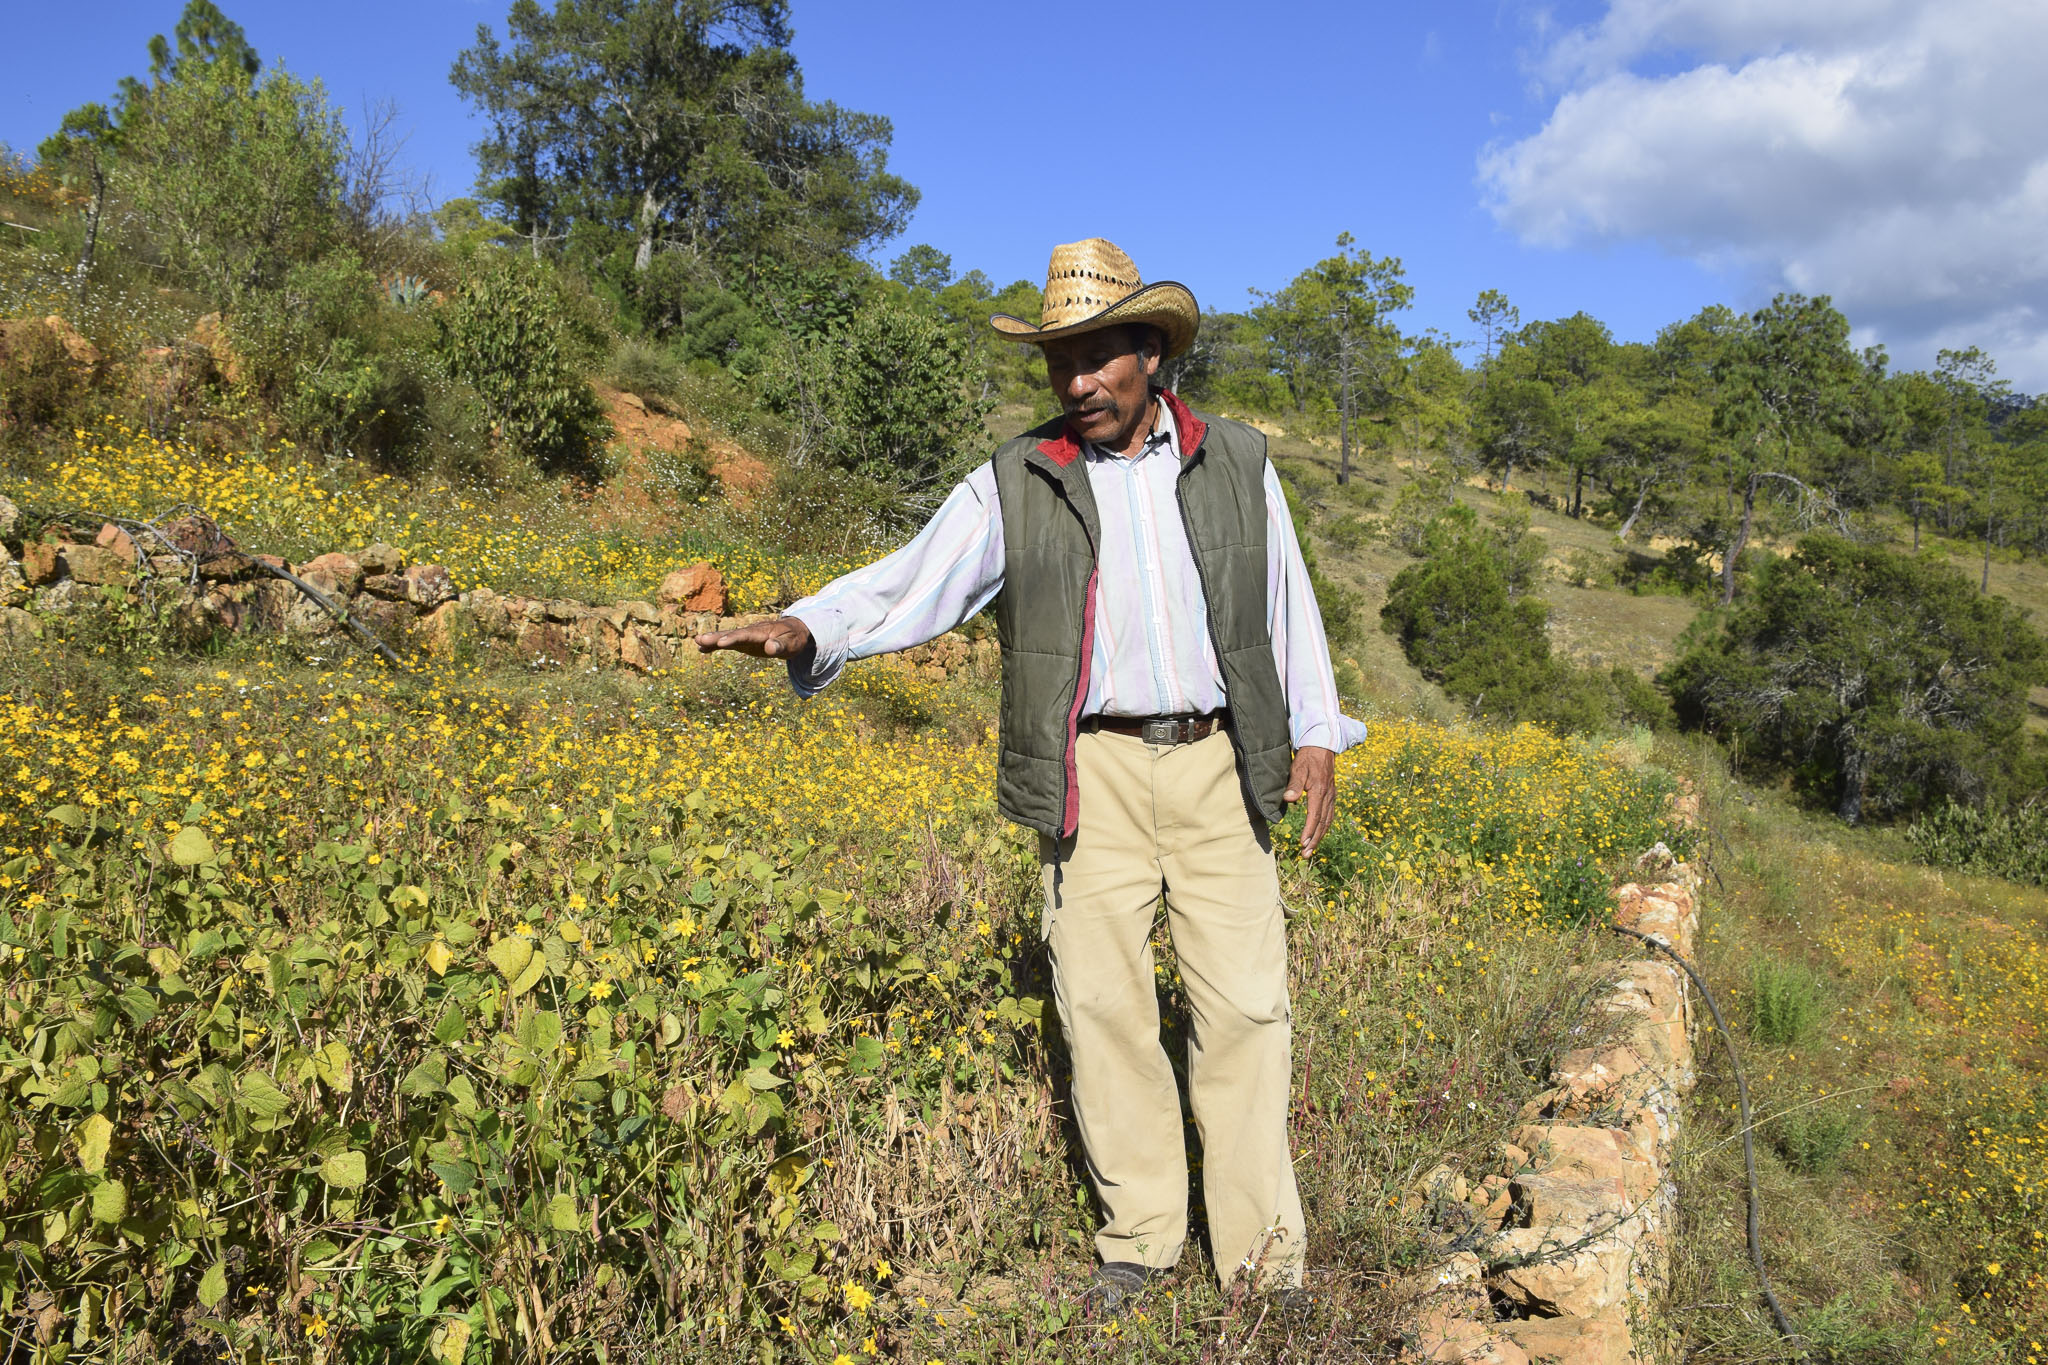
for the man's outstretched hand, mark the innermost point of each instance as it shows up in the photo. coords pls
(785, 637)
(1314, 776)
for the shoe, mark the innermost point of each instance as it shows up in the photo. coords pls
(1117, 1281)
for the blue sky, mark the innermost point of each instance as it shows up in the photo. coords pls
(1634, 158)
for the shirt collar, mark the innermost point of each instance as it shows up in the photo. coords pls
(1165, 437)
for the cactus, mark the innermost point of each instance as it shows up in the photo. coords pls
(405, 291)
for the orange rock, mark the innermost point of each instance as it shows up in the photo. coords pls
(1572, 1341)
(112, 537)
(696, 587)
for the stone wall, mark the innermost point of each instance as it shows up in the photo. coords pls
(1569, 1231)
(204, 587)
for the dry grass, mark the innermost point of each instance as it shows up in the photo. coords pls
(1927, 1059)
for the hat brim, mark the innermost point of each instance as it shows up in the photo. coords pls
(1167, 305)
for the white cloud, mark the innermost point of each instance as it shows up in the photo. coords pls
(1891, 153)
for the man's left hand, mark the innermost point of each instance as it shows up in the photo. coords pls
(1314, 776)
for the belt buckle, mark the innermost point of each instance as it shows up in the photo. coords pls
(1158, 731)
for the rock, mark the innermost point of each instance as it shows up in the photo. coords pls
(17, 627)
(1439, 1184)
(643, 612)
(598, 636)
(343, 575)
(222, 567)
(390, 622)
(696, 587)
(58, 599)
(644, 652)
(542, 644)
(1571, 1341)
(305, 617)
(10, 520)
(1443, 1339)
(14, 589)
(270, 604)
(40, 563)
(1665, 910)
(112, 537)
(211, 336)
(445, 630)
(428, 586)
(1588, 1153)
(196, 534)
(381, 559)
(389, 586)
(98, 565)
(492, 615)
(82, 352)
(562, 610)
(1587, 1282)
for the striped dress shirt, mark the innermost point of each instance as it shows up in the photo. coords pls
(1152, 653)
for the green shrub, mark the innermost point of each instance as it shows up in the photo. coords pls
(1844, 666)
(883, 394)
(38, 381)
(1813, 1137)
(1995, 841)
(513, 336)
(1459, 623)
(1784, 1002)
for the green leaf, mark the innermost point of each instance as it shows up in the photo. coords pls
(94, 1135)
(331, 1065)
(864, 1056)
(452, 1024)
(528, 979)
(69, 816)
(109, 1202)
(562, 1216)
(511, 956)
(760, 1078)
(430, 1077)
(458, 1176)
(213, 1285)
(541, 1031)
(260, 1095)
(345, 1170)
(190, 847)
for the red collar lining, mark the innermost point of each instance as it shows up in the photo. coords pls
(1064, 448)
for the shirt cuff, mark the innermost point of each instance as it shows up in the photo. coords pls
(1336, 734)
(829, 645)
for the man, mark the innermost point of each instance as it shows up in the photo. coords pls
(1167, 691)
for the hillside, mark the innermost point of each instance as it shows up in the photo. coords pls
(412, 947)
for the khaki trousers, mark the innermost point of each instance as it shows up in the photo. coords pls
(1172, 819)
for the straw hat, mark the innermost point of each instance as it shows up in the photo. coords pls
(1090, 285)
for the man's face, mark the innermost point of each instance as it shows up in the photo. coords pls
(1101, 380)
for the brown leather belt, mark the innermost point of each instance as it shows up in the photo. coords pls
(1160, 729)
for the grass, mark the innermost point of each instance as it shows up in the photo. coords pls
(1891, 1023)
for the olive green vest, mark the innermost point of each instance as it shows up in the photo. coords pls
(1045, 614)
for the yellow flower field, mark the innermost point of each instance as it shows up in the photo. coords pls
(283, 502)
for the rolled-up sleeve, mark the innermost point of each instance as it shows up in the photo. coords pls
(948, 572)
(1301, 651)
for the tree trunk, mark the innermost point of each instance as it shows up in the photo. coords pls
(1642, 497)
(648, 218)
(92, 230)
(1741, 539)
(1344, 435)
(1916, 528)
(1990, 501)
(1855, 772)
(1507, 474)
(1578, 489)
